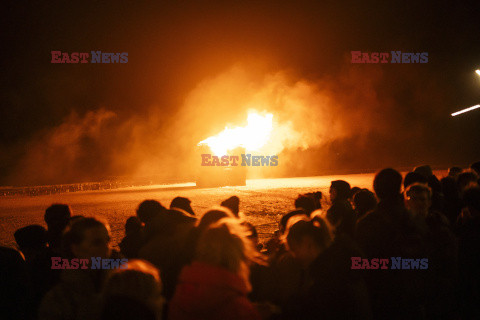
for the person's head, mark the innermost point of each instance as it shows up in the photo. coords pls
(32, 237)
(282, 224)
(387, 184)
(454, 172)
(364, 201)
(307, 238)
(418, 198)
(471, 200)
(86, 238)
(305, 202)
(233, 204)
(434, 184)
(182, 203)
(353, 192)
(138, 285)
(225, 244)
(413, 177)
(466, 180)
(213, 215)
(339, 190)
(133, 225)
(168, 223)
(149, 209)
(56, 217)
(476, 167)
(317, 198)
(424, 170)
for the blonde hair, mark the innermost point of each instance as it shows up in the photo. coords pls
(317, 228)
(226, 244)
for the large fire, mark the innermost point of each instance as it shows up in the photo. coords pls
(252, 137)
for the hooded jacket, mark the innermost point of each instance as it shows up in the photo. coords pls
(209, 292)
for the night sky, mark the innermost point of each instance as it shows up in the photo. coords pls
(62, 123)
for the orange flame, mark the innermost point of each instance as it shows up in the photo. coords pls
(252, 137)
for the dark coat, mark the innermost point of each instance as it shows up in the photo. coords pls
(77, 296)
(389, 231)
(334, 290)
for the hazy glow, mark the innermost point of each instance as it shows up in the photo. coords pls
(478, 72)
(465, 110)
(252, 137)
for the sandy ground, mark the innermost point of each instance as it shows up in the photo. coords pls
(263, 202)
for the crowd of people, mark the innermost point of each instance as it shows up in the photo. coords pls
(183, 266)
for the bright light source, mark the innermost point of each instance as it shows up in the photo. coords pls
(252, 137)
(465, 110)
(478, 72)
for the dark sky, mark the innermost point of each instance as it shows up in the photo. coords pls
(174, 46)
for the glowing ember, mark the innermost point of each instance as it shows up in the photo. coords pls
(252, 137)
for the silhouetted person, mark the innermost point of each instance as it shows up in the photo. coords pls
(31, 240)
(364, 201)
(476, 167)
(275, 244)
(466, 180)
(341, 214)
(56, 217)
(77, 294)
(353, 192)
(453, 204)
(182, 203)
(14, 299)
(209, 218)
(317, 198)
(134, 238)
(330, 290)
(389, 231)
(441, 248)
(438, 201)
(454, 172)
(424, 170)
(149, 209)
(469, 254)
(232, 203)
(283, 275)
(133, 292)
(305, 203)
(216, 284)
(167, 234)
(414, 177)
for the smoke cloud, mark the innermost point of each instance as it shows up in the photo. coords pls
(331, 124)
